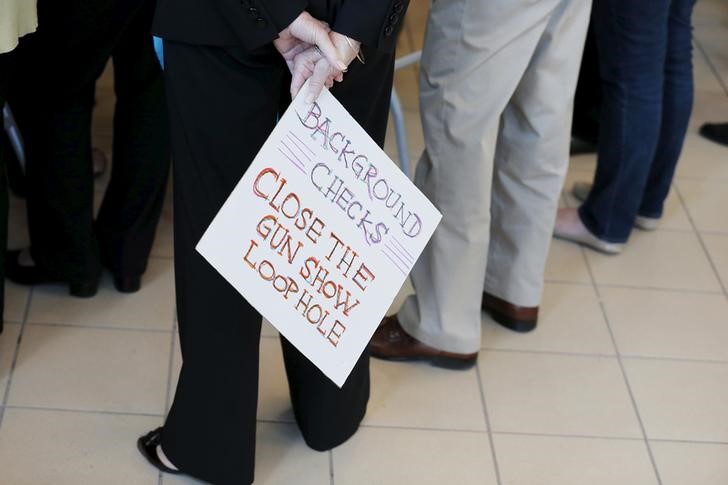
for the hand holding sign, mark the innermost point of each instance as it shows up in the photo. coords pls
(320, 233)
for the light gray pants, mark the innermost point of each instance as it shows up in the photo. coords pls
(496, 95)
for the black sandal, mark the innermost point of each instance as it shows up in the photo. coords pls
(147, 446)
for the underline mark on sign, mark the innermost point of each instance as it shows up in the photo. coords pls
(296, 163)
(398, 256)
(394, 260)
(401, 255)
(402, 249)
(302, 145)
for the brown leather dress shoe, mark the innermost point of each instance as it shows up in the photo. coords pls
(517, 318)
(391, 342)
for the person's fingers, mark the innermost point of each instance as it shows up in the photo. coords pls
(304, 64)
(311, 30)
(320, 75)
(328, 49)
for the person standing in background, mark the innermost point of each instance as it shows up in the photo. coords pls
(645, 57)
(53, 96)
(496, 97)
(17, 18)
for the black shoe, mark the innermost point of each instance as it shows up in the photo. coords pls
(35, 275)
(717, 132)
(127, 284)
(147, 446)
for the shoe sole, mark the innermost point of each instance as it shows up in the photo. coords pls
(435, 361)
(520, 326)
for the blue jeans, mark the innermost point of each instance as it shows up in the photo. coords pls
(645, 62)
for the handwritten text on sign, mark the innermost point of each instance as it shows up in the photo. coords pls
(320, 233)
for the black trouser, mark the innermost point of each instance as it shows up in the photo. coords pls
(6, 70)
(223, 105)
(55, 96)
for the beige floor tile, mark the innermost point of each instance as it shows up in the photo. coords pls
(570, 320)
(583, 163)
(68, 448)
(281, 458)
(150, 308)
(557, 394)
(566, 263)
(8, 344)
(681, 400)
(274, 402)
(16, 301)
(668, 324)
(659, 259)
(164, 240)
(268, 330)
(529, 460)
(693, 463)
(421, 396)
(710, 105)
(376, 456)
(717, 246)
(91, 369)
(706, 202)
(174, 371)
(702, 159)
(17, 223)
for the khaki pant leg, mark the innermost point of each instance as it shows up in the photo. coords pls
(474, 57)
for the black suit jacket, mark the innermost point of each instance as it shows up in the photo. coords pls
(254, 23)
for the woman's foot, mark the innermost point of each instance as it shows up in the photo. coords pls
(21, 268)
(580, 191)
(570, 228)
(150, 446)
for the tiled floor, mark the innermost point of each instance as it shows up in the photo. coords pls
(624, 382)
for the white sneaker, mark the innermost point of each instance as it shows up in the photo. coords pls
(570, 228)
(646, 223)
(580, 191)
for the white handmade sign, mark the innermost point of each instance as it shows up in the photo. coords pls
(320, 233)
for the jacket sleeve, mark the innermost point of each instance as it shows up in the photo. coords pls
(374, 23)
(258, 22)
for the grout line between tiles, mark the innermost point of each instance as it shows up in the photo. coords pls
(711, 65)
(98, 327)
(491, 441)
(549, 352)
(691, 442)
(716, 273)
(416, 428)
(331, 467)
(623, 370)
(606, 356)
(657, 288)
(84, 411)
(569, 436)
(170, 365)
(14, 361)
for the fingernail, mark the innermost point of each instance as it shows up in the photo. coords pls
(310, 98)
(342, 66)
